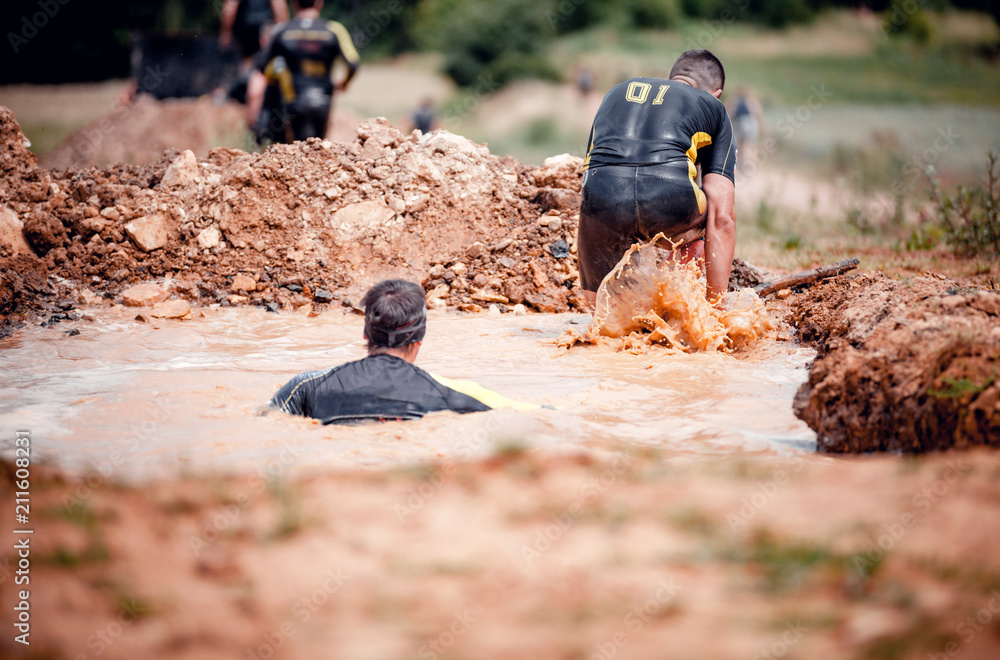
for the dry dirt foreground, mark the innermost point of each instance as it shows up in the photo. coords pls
(521, 556)
(908, 365)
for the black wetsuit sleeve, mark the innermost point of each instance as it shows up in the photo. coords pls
(293, 398)
(720, 157)
(266, 54)
(463, 403)
(345, 44)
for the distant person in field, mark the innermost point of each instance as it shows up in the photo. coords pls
(748, 120)
(647, 142)
(584, 82)
(298, 61)
(424, 117)
(246, 22)
(385, 385)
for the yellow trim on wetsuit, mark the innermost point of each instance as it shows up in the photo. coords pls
(732, 141)
(284, 404)
(284, 80)
(483, 395)
(590, 148)
(698, 140)
(346, 45)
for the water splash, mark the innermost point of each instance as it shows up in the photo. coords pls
(652, 299)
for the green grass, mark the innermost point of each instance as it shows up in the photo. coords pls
(890, 76)
(838, 50)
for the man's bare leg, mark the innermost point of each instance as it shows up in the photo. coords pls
(691, 251)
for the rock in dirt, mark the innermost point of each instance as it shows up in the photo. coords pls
(143, 295)
(171, 309)
(209, 237)
(44, 231)
(12, 232)
(361, 218)
(149, 233)
(242, 283)
(182, 172)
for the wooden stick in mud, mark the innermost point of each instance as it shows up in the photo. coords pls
(805, 277)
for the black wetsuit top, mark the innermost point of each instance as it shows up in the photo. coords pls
(651, 121)
(379, 387)
(640, 174)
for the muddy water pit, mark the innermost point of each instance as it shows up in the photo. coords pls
(185, 396)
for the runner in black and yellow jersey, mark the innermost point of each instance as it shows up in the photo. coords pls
(648, 136)
(298, 60)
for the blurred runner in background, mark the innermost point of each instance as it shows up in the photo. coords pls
(424, 117)
(298, 61)
(247, 21)
(748, 121)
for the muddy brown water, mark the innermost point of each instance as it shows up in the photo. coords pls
(137, 400)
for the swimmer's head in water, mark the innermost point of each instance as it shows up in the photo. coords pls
(395, 314)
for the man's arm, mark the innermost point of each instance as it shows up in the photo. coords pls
(720, 232)
(256, 87)
(348, 52)
(280, 10)
(226, 19)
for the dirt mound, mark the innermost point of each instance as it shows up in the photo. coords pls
(139, 132)
(315, 222)
(906, 366)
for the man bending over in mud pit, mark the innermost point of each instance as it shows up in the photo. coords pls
(641, 177)
(385, 385)
(298, 61)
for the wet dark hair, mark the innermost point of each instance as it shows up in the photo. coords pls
(395, 314)
(305, 4)
(703, 67)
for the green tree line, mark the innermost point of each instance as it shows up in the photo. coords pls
(54, 41)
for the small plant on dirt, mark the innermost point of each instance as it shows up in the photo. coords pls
(290, 515)
(971, 217)
(957, 388)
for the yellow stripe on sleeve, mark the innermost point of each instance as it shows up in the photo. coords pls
(484, 395)
(346, 45)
